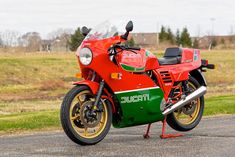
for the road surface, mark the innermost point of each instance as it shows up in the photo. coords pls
(213, 137)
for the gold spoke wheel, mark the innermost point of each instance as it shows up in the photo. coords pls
(188, 113)
(79, 119)
(189, 116)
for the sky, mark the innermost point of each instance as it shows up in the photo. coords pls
(201, 17)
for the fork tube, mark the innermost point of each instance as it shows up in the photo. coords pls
(98, 95)
(93, 76)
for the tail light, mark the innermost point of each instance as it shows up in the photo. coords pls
(205, 64)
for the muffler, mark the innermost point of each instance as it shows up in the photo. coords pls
(196, 94)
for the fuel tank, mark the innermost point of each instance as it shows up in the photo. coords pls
(140, 61)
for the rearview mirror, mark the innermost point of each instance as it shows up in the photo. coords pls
(129, 26)
(85, 30)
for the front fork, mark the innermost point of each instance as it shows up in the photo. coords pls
(98, 95)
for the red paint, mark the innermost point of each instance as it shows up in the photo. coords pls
(103, 67)
(138, 60)
(91, 84)
(164, 135)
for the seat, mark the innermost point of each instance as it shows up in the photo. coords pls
(169, 60)
(171, 56)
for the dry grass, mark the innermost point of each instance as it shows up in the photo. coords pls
(32, 86)
(27, 76)
(221, 80)
(30, 76)
(7, 107)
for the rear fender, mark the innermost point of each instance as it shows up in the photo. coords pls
(197, 74)
(94, 86)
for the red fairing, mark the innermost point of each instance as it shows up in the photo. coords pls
(141, 60)
(103, 66)
(152, 62)
(191, 59)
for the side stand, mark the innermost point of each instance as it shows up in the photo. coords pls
(146, 135)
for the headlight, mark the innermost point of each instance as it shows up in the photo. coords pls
(85, 56)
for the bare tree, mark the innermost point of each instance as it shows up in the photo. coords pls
(9, 38)
(59, 32)
(60, 39)
(198, 31)
(231, 35)
(31, 41)
(1, 41)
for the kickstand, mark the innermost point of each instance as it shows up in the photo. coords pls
(164, 135)
(146, 135)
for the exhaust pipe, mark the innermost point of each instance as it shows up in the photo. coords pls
(196, 94)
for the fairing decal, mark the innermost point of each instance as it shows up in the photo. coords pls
(139, 106)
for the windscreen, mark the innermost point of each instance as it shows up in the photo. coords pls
(104, 30)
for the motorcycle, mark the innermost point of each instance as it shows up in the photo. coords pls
(129, 86)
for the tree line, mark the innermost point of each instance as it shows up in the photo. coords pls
(32, 41)
(180, 38)
(67, 39)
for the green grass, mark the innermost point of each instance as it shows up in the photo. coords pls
(220, 105)
(29, 121)
(41, 120)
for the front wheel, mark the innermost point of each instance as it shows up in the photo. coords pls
(189, 116)
(81, 123)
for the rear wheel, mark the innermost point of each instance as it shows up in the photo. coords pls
(81, 123)
(189, 116)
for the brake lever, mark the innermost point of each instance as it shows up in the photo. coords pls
(113, 49)
(132, 51)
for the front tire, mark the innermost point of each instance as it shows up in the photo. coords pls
(189, 116)
(78, 124)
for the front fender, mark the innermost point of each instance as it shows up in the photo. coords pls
(94, 86)
(91, 84)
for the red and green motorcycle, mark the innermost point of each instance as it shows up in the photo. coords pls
(128, 86)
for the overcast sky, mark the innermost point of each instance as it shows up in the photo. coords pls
(45, 16)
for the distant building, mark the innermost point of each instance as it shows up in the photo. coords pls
(46, 45)
(59, 44)
(148, 40)
(205, 41)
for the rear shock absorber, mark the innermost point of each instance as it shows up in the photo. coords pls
(185, 87)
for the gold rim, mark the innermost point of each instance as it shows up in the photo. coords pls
(183, 116)
(75, 114)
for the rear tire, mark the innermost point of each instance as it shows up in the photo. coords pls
(72, 126)
(176, 124)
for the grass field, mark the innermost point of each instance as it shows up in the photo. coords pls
(32, 86)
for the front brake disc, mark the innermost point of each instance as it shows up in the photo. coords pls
(86, 120)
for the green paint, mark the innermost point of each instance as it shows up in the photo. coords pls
(139, 107)
(195, 55)
(147, 53)
(132, 69)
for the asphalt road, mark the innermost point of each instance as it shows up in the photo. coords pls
(213, 137)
